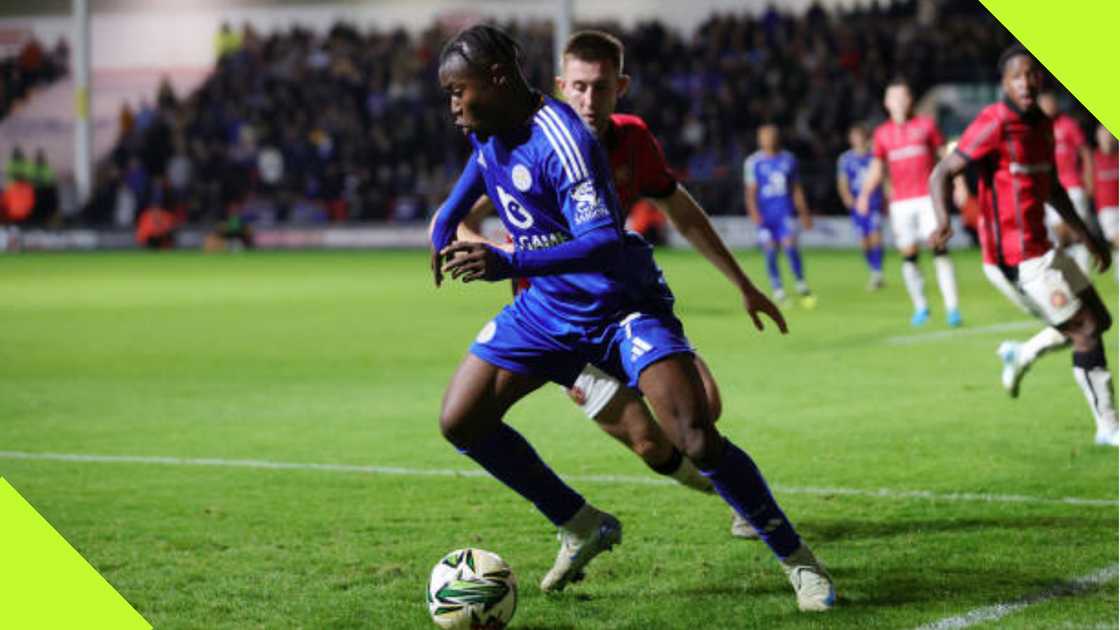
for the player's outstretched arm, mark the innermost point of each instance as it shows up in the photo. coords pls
(1059, 200)
(940, 192)
(595, 250)
(445, 223)
(693, 223)
(872, 181)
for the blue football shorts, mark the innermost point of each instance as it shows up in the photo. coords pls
(866, 225)
(622, 348)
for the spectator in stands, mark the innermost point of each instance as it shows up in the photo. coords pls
(308, 126)
(42, 179)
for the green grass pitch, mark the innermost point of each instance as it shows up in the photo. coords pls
(341, 358)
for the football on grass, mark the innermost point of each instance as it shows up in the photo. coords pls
(472, 589)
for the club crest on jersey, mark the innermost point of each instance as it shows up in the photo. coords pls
(522, 180)
(1058, 299)
(487, 332)
(588, 204)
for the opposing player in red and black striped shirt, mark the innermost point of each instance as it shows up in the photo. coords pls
(592, 83)
(1011, 143)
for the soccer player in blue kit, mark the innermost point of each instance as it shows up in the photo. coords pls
(773, 192)
(851, 169)
(596, 297)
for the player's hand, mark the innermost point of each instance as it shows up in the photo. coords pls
(437, 273)
(1102, 254)
(940, 237)
(863, 205)
(807, 221)
(756, 302)
(473, 261)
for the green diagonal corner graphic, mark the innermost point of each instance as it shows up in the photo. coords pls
(45, 583)
(1076, 42)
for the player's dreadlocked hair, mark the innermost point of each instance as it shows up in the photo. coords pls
(482, 46)
(1010, 53)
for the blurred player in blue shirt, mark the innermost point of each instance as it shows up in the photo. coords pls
(851, 170)
(596, 297)
(773, 194)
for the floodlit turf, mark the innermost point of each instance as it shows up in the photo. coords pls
(342, 358)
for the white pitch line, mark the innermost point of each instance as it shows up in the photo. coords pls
(882, 493)
(905, 340)
(999, 611)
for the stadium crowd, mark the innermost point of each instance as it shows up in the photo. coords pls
(295, 127)
(29, 191)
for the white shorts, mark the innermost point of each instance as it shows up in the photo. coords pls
(1080, 204)
(598, 388)
(913, 221)
(1048, 286)
(1109, 218)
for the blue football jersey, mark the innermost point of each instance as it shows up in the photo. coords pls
(551, 182)
(774, 175)
(853, 168)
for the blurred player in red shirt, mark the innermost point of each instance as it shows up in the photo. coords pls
(906, 148)
(1011, 143)
(1071, 155)
(592, 82)
(1106, 187)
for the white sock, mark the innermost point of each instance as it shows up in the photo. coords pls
(947, 281)
(1046, 340)
(1080, 255)
(1096, 384)
(915, 286)
(689, 476)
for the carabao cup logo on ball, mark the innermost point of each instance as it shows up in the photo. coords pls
(588, 204)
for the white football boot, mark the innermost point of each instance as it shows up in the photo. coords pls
(1013, 371)
(811, 582)
(588, 534)
(1107, 437)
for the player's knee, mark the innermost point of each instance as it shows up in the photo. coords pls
(1083, 330)
(454, 426)
(650, 448)
(700, 442)
(715, 403)
(911, 257)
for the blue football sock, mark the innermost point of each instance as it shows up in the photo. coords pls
(794, 257)
(740, 483)
(510, 458)
(772, 268)
(875, 258)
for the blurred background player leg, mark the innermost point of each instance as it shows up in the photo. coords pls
(904, 222)
(767, 241)
(805, 297)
